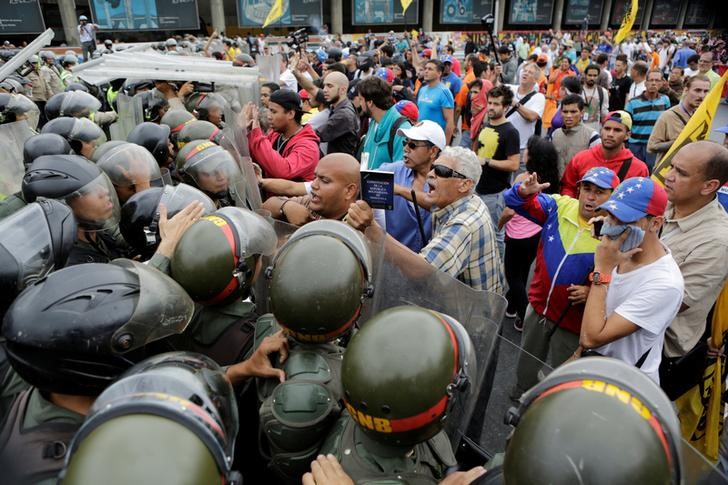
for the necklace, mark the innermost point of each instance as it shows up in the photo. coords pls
(281, 141)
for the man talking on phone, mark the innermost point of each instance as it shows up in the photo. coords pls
(564, 259)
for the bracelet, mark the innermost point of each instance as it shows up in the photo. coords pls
(280, 211)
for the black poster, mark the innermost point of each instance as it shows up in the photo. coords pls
(534, 12)
(578, 10)
(619, 7)
(464, 11)
(665, 12)
(145, 14)
(698, 14)
(21, 17)
(296, 13)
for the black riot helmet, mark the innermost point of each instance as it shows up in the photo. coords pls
(15, 106)
(596, 420)
(170, 405)
(75, 130)
(95, 322)
(78, 182)
(139, 222)
(153, 106)
(136, 86)
(44, 144)
(77, 87)
(76, 104)
(33, 242)
(155, 138)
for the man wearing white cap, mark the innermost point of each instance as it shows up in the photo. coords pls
(422, 145)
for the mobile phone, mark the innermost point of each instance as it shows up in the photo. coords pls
(598, 229)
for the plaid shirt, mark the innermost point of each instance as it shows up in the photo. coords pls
(463, 244)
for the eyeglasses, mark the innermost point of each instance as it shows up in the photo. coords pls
(412, 145)
(444, 172)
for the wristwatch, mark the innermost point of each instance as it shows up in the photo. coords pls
(517, 106)
(598, 278)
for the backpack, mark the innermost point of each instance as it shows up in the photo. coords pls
(392, 133)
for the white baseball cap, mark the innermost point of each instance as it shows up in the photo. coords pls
(426, 130)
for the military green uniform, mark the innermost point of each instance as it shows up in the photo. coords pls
(295, 416)
(11, 204)
(426, 464)
(35, 433)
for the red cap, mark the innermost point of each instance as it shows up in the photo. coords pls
(303, 94)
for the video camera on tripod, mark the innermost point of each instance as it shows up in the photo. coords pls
(297, 40)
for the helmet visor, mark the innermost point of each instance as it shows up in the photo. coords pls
(25, 235)
(86, 130)
(257, 236)
(78, 104)
(95, 205)
(176, 198)
(164, 308)
(215, 171)
(131, 166)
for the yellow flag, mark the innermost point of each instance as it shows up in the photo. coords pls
(627, 23)
(275, 13)
(405, 4)
(697, 128)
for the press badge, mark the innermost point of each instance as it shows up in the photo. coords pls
(585, 116)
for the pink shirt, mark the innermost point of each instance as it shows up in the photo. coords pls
(521, 228)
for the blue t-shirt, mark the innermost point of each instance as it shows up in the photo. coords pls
(722, 197)
(431, 102)
(402, 221)
(453, 83)
(681, 57)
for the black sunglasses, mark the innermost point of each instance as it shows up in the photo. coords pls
(446, 172)
(412, 145)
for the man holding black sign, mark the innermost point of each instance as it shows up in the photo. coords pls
(87, 33)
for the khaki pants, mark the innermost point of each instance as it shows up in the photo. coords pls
(537, 346)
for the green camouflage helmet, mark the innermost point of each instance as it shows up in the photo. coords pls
(176, 119)
(199, 130)
(210, 168)
(216, 259)
(595, 420)
(172, 405)
(319, 279)
(403, 371)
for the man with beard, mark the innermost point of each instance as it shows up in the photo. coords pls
(334, 188)
(671, 122)
(340, 131)
(611, 154)
(382, 143)
(620, 85)
(596, 99)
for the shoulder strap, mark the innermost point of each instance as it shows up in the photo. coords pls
(624, 169)
(523, 101)
(639, 363)
(600, 90)
(392, 133)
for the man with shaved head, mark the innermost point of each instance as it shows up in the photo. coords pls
(334, 188)
(341, 130)
(696, 232)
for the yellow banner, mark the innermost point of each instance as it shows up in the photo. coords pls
(698, 128)
(275, 13)
(405, 4)
(627, 23)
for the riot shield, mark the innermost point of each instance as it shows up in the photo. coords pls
(131, 114)
(260, 288)
(13, 136)
(697, 469)
(405, 278)
(235, 141)
(269, 66)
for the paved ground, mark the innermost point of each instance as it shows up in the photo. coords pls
(495, 431)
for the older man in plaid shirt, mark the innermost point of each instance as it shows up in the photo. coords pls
(463, 240)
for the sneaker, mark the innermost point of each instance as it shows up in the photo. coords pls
(511, 314)
(518, 324)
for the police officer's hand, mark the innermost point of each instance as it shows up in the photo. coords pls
(171, 231)
(166, 89)
(464, 478)
(326, 470)
(186, 89)
(259, 365)
(360, 215)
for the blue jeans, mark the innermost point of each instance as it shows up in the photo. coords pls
(465, 140)
(496, 204)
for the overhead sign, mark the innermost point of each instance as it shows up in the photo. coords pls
(464, 11)
(382, 12)
(665, 12)
(296, 13)
(145, 14)
(619, 8)
(21, 17)
(534, 12)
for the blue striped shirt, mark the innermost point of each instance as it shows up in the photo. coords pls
(644, 114)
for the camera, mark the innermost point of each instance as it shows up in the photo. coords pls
(297, 40)
(488, 22)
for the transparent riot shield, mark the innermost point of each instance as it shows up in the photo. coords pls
(260, 288)
(12, 140)
(269, 66)
(235, 141)
(131, 114)
(405, 278)
(697, 469)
